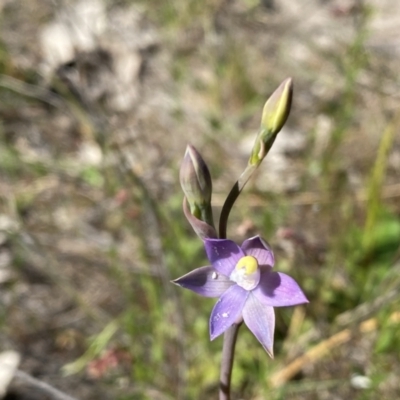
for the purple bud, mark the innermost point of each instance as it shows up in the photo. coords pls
(195, 180)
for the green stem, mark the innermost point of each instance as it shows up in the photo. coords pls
(232, 196)
(226, 209)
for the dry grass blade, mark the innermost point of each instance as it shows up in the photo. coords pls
(323, 348)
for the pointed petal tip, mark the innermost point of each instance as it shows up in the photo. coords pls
(213, 334)
(204, 281)
(213, 337)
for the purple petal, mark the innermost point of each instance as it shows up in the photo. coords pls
(205, 281)
(278, 290)
(223, 254)
(259, 249)
(227, 310)
(261, 321)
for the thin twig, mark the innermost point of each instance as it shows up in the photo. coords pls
(33, 91)
(24, 382)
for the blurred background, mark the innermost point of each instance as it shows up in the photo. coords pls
(98, 100)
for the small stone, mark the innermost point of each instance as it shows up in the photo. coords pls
(360, 382)
(9, 361)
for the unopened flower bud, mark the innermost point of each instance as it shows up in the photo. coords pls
(275, 113)
(196, 183)
(195, 178)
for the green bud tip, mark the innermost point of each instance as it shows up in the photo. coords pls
(195, 179)
(275, 113)
(277, 107)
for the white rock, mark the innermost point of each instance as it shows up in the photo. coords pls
(360, 382)
(76, 28)
(9, 361)
(7, 223)
(90, 153)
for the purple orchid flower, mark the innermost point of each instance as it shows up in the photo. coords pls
(247, 287)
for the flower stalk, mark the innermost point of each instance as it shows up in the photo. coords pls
(241, 277)
(275, 114)
(228, 355)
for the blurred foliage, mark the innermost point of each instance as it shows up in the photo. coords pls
(94, 245)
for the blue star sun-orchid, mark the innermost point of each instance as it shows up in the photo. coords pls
(247, 287)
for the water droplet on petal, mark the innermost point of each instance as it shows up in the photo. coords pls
(225, 315)
(214, 275)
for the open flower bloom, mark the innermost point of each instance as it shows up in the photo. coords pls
(247, 287)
